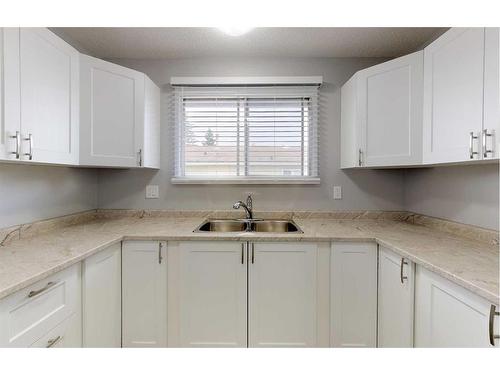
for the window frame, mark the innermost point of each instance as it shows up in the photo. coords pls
(309, 173)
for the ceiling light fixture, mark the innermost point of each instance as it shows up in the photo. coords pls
(235, 30)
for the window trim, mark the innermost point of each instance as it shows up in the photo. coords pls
(312, 165)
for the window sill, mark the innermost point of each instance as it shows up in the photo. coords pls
(245, 181)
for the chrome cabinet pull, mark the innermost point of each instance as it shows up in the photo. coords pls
(242, 253)
(30, 140)
(34, 293)
(160, 258)
(360, 160)
(472, 153)
(17, 137)
(485, 135)
(253, 253)
(53, 341)
(403, 278)
(492, 335)
(140, 157)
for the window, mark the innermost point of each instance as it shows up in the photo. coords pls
(246, 133)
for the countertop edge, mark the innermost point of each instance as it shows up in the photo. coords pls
(442, 272)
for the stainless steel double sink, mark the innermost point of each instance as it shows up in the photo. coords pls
(248, 225)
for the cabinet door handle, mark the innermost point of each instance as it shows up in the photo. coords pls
(53, 341)
(360, 160)
(492, 335)
(472, 137)
(17, 137)
(30, 142)
(253, 253)
(242, 253)
(140, 157)
(403, 278)
(160, 258)
(34, 293)
(485, 135)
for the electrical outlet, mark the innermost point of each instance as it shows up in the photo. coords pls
(337, 192)
(152, 192)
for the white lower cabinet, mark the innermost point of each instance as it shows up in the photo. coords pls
(239, 294)
(144, 294)
(43, 313)
(101, 296)
(282, 294)
(209, 294)
(353, 294)
(396, 286)
(447, 315)
(67, 334)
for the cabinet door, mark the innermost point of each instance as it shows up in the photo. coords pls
(350, 132)
(395, 300)
(144, 294)
(112, 108)
(390, 111)
(212, 294)
(354, 294)
(282, 294)
(102, 299)
(491, 128)
(453, 95)
(49, 97)
(10, 129)
(447, 315)
(151, 148)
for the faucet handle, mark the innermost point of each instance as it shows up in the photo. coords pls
(249, 201)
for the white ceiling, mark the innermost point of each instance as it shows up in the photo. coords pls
(186, 42)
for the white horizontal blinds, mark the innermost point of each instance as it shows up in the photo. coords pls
(247, 132)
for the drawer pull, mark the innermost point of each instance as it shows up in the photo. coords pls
(53, 341)
(34, 293)
(492, 335)
(403, 278)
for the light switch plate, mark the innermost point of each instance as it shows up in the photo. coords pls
(337, 192)
(152, 192)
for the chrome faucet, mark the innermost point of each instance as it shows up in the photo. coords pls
(247, 207)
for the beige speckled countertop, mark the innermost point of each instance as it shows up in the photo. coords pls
(469, 262)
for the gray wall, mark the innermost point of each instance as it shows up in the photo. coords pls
(467, 194)
(33, 192)
(361, 189)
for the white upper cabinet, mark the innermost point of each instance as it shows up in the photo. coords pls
(119, 116)
(144, 294)
(382, 114)
(10, 137)
(282, 292)
(49, 97)
(391, 112)
(396, 280)
(491, 125)
(453, 96)
(39, 97)
(353, 294)
(447, 315)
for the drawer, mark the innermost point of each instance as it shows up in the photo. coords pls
(31, 313)
(65, 335)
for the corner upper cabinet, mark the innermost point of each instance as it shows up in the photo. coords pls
(113, 106)
(381, 111)
(461, 96)
(40, 91)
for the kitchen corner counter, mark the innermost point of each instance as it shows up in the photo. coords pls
(470, 263)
